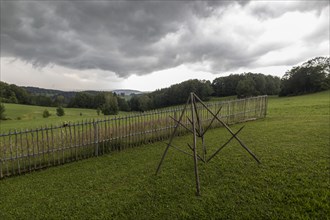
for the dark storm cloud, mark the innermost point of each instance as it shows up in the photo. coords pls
(129, 37)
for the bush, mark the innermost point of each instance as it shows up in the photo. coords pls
(109, 109)
(60, 111)
(46, 113)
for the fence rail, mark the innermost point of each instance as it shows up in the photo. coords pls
(28, 150)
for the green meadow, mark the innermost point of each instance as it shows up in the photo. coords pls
(292, 181)
(29, 116)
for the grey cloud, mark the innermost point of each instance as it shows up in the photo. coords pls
(106, 35)
(278, 8)
(123, 37)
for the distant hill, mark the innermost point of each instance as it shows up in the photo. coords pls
(126, 91)
(52, 93)
(12, 93)
(41, 91)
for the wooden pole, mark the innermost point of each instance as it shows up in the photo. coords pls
(96, 139)
(33, 151)
(195, 142)
(172, 136)
(106, 135)
(83, 141)
(90, 145)
(2, 157)
(188, 129)
(17, 156)
(225, 144)
(53, 145)
(62, 144)
(48, 150)
(28, 149)
(213, 119)
(232, 133)
(71, 143)
(11, 154)
(22, 150)
(192, 149)
(201, 133)
(75, 141)
(38, 148)
(42, 146)
(266, 105)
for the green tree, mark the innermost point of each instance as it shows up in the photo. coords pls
(41, 100)
(45, 113)
(134, 103)
(98, 100)
(110, 107)
(144, 103)
(122, 104)
(59, 100)
(260, 83)
(60, 111)
(311, 76)
(12, 98)
(14, 94)
(20, 93)
(245, 88)
(273, 85)
(82, 100)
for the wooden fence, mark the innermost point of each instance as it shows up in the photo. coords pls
(24, 151)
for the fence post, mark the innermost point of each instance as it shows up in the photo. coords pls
(96, 139)
(125, 131)
(2, 157)
(265, 105)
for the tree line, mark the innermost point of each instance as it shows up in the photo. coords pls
(174, 95)
(311, 76)
(106, 102)
(245, 85)
(11, 93)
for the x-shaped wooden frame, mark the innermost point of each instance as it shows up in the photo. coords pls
(199, 132)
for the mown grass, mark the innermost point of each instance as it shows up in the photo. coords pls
(28, 116)
(292, 182)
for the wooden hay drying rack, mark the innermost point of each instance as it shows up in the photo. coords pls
(198, 132)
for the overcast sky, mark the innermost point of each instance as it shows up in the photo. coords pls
(145, 45)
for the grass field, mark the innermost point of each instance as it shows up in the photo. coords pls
(292, 181)
(29, 116)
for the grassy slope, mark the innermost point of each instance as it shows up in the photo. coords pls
(31, 116)
(291, 183)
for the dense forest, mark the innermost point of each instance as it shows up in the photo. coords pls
(247, 84)
(311, 76)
